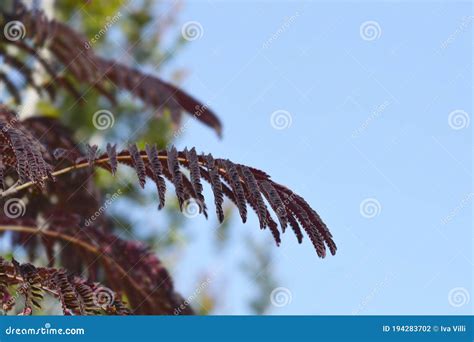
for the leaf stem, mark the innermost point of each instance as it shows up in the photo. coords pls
(16, 188)
(92, 249)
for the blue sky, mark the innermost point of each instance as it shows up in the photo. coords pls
(380, 97)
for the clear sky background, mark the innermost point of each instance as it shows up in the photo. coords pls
(370, 119)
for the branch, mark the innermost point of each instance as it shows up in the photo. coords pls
(243, 185)
(77, 296)
(71, 49)
(128, 265)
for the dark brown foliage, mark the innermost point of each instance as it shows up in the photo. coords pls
(59, 195)
(41, 163)
(241, 184)
(76, 295)
(156, 171)
(21, 150)
(75, 58)
(129, 267)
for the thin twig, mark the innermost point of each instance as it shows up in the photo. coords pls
(73, 240)
(14, 189)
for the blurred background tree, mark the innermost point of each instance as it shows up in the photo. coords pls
(145, 34)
